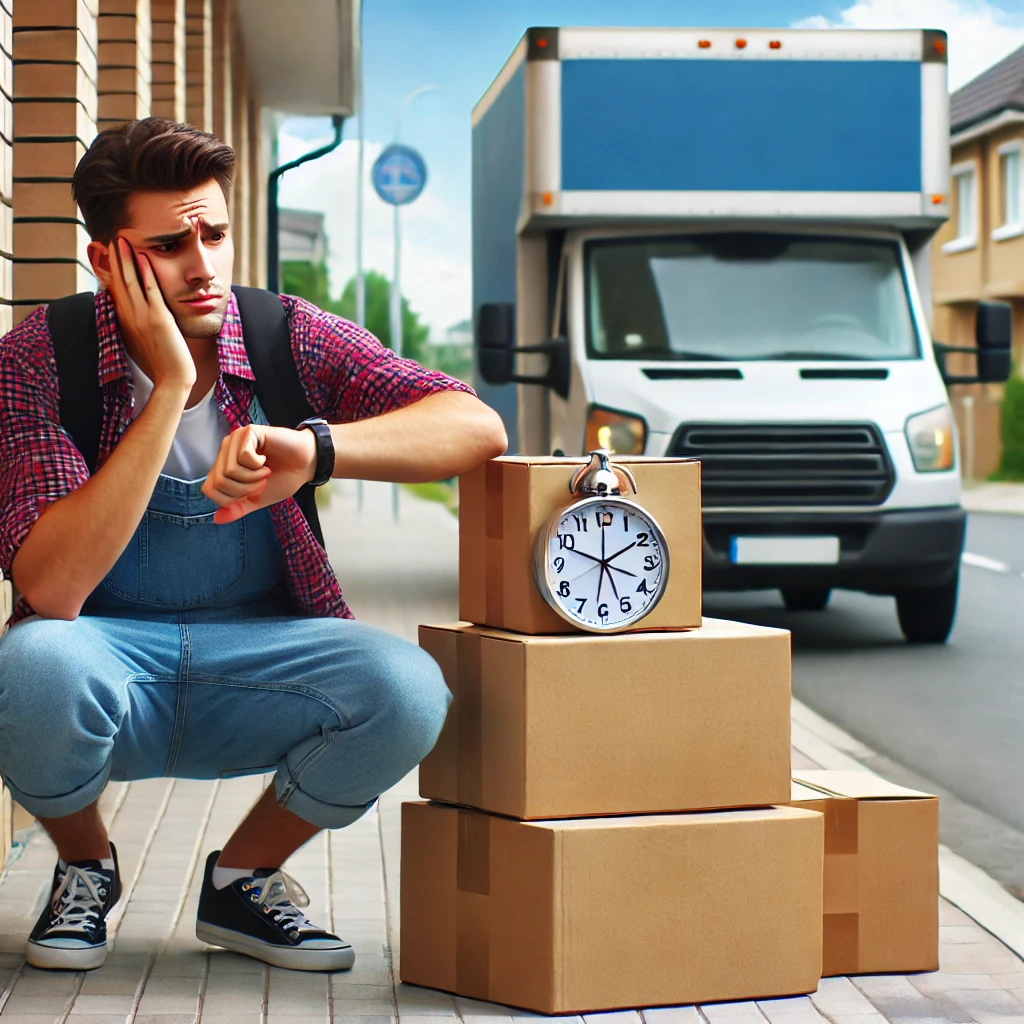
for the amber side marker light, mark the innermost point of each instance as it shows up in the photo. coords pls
(937, 199)
(741, 44)
(940, 46)
(548, 198)
(775, 44)
(704, 44)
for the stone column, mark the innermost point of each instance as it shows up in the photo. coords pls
(125, 54)
(168, 62)
(6, 169)
(199, 63)
(55, 106)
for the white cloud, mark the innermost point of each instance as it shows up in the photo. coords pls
(435, 238)
(980, 33)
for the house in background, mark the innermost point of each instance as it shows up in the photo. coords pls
(302, 236)
(979, 252)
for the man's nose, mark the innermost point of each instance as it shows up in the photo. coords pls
(200, 267)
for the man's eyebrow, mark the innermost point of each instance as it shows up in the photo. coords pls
(176, 236)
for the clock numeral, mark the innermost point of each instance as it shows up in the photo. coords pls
(581, 601)
(650, 563)
(624, 605)
(641, 540)
(559, 564)
(603, 519)
(602, 610)
(566, 541)
(625, 522)
(642, 587)
(581, 524)
(563, 588)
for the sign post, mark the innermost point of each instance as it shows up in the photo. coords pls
(399, 175)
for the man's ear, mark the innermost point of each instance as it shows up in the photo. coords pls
(100, 256)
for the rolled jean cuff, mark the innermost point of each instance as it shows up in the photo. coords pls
(316, 812)
(66, 803)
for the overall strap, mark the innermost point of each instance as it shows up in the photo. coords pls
(268, 345)
(76, 348)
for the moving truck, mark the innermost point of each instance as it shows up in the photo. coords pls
(715, 244)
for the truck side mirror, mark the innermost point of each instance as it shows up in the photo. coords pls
(497, 351)
(495, 342)
(993, 335)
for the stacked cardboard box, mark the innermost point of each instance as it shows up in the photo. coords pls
(604, 828)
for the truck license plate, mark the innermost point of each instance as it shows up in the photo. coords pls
(784, 550)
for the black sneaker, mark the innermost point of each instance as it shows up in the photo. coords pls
(71, 933)
(259, 917)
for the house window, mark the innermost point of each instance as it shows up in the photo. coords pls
(1010, 192)
(965, 208)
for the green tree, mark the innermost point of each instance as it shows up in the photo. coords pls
(310, 281)
(1011, 429)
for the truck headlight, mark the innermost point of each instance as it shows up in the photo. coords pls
(619, 432)
(930, 437)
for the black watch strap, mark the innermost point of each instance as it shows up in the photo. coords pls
(324, 449)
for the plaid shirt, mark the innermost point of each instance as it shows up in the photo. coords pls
(347, 375)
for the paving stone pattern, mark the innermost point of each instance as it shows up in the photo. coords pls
(396, 575)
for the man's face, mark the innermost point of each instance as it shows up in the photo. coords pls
(187, 240)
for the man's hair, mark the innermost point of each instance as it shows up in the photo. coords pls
(151, 155)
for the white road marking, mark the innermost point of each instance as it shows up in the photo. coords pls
(981, 562)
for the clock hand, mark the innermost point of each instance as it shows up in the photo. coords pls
(593, 558)
(623, 551)
(625, 572)
(607, 569)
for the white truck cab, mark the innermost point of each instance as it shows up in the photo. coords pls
(779, 333)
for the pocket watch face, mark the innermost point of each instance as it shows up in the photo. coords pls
(605, 563)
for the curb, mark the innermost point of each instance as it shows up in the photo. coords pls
(962, 883)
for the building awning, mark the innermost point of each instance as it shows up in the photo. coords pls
(303, 57)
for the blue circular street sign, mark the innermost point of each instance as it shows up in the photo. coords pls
(399, 175)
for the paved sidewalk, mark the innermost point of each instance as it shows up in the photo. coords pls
(158, 973)
(1002, 499)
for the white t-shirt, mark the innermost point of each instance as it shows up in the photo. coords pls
(197, 440)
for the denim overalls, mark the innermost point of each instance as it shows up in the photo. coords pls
(188, 661)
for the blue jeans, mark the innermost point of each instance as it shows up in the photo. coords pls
(185, 662)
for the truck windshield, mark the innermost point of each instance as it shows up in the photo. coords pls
(737, 296)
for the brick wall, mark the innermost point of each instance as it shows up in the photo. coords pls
(6, 167)
(199, 63)
(124, 30)
(168, 60)
(55, 46)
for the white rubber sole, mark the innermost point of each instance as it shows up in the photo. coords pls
(53, 958)
(293, 958)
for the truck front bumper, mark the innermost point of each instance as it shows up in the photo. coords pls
(879, 552)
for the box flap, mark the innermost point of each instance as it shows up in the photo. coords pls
(711, 629)
(582, 460)
(858, 785)
(655, 820)
(802, 793)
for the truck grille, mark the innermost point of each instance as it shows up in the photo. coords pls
(807, 464)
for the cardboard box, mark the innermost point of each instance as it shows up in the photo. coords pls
(504, 503)
(574, 726)
(881, 880)
(6, 602)
(602, 913)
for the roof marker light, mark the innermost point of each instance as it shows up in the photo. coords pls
(704, 44)
(775, 44)
(542, 43)
(741, 44)
(940, 45)
(548, 198)
(938, 199)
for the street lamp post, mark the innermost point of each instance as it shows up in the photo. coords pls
(395, 294)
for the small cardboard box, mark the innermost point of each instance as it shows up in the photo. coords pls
(6, 602)
(592, 914)
(503, 505)
(574, 726)
(881, 895)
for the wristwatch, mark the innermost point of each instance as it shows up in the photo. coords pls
(324, 449)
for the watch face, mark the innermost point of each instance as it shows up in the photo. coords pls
(605, 563)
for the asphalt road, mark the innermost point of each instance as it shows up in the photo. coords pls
(949, 719)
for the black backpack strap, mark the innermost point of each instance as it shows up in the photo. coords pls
(76, 347)
(268, 345)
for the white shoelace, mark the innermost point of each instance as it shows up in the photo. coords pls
(281, 896)
(78, 901)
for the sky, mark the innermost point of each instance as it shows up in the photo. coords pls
(460, 45)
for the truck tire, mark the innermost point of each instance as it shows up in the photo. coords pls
(927, 614)
(809, 599)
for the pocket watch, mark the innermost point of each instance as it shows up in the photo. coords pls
(601, 563)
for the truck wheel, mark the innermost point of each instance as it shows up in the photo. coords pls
(926, 614)
(806, 600)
